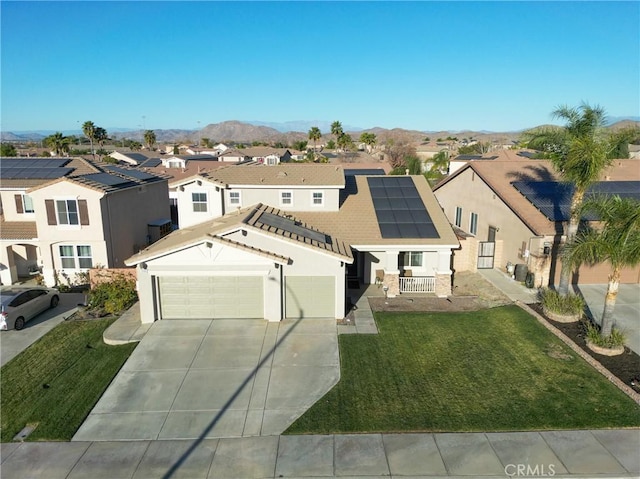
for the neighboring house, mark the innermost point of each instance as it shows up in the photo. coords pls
(233, 156)
(291, 187)
(514, 210)
(134, 158)
(62, 217)
(265, 262)
(181, 161)
(268, 156)
(461, 160)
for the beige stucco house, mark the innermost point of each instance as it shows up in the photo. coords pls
(63, 219)
(499, 222)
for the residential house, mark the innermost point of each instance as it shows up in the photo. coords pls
(513, 209)
(291, 187)
(264, 261)
(180, 161)
(231, 155)
(63, 216)
(268, 156)
(135, 158)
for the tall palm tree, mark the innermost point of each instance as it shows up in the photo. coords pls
(336, 129)
(89, 130)
(58, 143)
(314, 135)
(579, 152)
(617, 241)
(150, 138)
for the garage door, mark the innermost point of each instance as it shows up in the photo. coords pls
(310, 296)
(207, 297)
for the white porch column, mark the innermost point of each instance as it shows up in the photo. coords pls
(443, 274)
(392, 274)
(7, 267)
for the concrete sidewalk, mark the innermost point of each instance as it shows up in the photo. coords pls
(610, 453)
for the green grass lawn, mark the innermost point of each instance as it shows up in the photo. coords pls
(490, 370)
(76, 365)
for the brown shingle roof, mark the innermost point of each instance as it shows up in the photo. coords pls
(283, 174)
(357, 223)
(499, 175)
(17, 230)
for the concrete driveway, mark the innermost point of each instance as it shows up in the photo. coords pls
(14, 342)
(191, 379)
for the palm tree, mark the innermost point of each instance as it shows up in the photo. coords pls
(368, 139)
(336, 129)
(616, 241)
(150, 138)
(579, 152)
(89, 130)
(314, 135)
(58, 143)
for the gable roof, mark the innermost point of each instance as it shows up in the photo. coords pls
(357, 223)
(500, 174)
(297, 174)
(249, 218)
(69, 166)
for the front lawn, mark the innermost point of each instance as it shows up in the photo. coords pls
(57, 381)
(491, 370)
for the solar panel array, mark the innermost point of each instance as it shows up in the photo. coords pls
(290, 226)
(151, 163)
(137, 174)
(553, 199)
(106, 179)
(399, 208)
(36, 169)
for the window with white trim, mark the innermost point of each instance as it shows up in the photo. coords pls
(286, 198)
(234, 198)
(27, 204)
(76, 257)
(199, 201)
(473, 224)
(413, 258)
(317, 198)
(67, 212)
(458, 216)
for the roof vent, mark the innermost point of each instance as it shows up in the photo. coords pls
(282, 174)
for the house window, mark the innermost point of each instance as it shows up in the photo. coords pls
(317, 198)
(286, 198)
(27, 204)
(412, 258)
(473, 225)
(458, 217)
(67, 211)
(199, 202)
(234, 198)
(76, 257)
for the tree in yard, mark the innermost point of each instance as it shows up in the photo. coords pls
(150, 138)
(314, 135)
(331, 145)
(89, 130)
(439, 167)
(7, 149)
(397, 153)
(616, 241)
(336, 129)
(579, 152)
(100, 135)
(345, 142)
(368, 139)
(300, 145)
(58, 143)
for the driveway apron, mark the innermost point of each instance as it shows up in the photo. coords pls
(190, 379)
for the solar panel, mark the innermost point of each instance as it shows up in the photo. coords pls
(7, 163)
(399, 208)
(34, 173)
(151, 163)
(137, 174)
(107, 179)
(363, 171)
(293, 227)
(553, 199)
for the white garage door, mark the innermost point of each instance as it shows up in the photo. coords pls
(310, 296)
(207, 297)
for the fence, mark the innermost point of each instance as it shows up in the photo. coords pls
(418, 284)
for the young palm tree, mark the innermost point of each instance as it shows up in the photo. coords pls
(314, 135)
(579, 152)
(336, 129)
(616, 241)
(150, 138)
(58, 143)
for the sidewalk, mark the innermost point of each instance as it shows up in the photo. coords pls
(612, 453)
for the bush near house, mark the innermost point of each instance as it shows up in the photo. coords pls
(570, 304)
(114, 296)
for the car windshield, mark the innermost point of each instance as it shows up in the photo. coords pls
(5, 299)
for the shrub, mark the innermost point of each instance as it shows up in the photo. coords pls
(614, 340)
(114, 296)
(570, 304)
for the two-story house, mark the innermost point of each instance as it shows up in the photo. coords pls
(290, 187)
(71, 216)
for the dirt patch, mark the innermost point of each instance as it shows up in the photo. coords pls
(471, 292)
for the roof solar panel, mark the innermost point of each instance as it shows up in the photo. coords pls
(399, 208)
(34, 173)
(6, 163)
(137, 174)
(151, 163)
(293, 227)
(106, 179)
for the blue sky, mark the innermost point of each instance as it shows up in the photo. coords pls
(499, 66)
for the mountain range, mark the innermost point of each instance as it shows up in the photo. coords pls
(286, 132)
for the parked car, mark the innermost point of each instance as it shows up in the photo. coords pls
(19, 304)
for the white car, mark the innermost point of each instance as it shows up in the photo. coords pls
(19, 304)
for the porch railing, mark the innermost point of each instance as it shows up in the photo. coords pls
(418, 284)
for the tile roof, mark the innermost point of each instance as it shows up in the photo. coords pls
(499, 174)
(17, 230)
(357, 223)
(216, 229)
(280, 175)
(80, 166)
